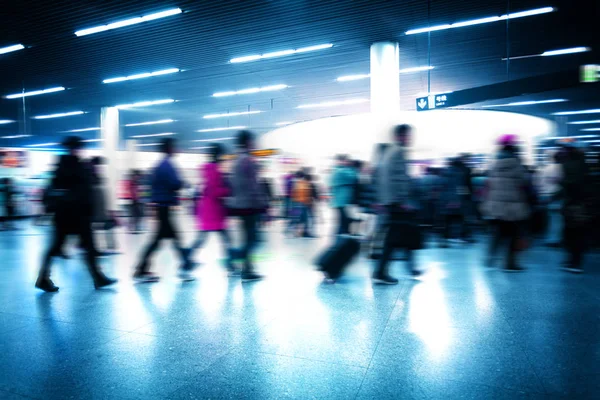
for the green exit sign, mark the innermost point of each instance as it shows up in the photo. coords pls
(590, 73)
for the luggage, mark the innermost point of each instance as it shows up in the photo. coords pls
(335, 259)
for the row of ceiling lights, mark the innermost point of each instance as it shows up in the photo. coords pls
(273, 55)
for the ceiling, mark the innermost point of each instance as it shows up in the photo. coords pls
(203, 39)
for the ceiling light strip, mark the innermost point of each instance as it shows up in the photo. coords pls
(10, 49)
(234, 114)
(15, 136)
(35, 92)
(281, 53)
(85, 129)
(145, 103)
(225, 128)
(334, 103)
(6, 121)
(578, 112)
(347, 78)
(161, 121)
(595, 121)
(140, 76)
(270, 88)
(128, 22)
(153, 135)
(214, 140)
(526, 103)
(59, 115)
(480, 21)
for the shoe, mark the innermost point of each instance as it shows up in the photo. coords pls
(416, 272)
(145, 277)
(103, 282)
(46, 285)
(573, 269)
(384, 280)
(185, 275)
(251, 276)
(514, 268)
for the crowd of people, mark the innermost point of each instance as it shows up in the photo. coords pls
(382, 203)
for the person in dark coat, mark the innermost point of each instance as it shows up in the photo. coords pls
(574, 190)
(72, 197)
(165, 184)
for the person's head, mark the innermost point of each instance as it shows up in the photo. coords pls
(73, 144)
(245, 140)
(96, 161)
(357, 165)
(342, 160)
(167, 146)
(509, 144)
(216, 151)
(402, 134)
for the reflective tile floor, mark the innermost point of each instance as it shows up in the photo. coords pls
(460, 331)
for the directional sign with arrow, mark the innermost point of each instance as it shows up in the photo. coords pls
(434, 101)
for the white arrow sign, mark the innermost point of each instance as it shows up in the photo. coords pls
(422, 103)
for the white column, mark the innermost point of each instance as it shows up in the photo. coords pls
(109, 122)
(131, 162)
(385, 79)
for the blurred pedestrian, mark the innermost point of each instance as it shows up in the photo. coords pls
(506, 202)
(211, 215)
(574, 191)
(71, 198)
(247, 201)
(136, 210)
(8, 192)
(396, 195)
(166, 184)
(102, 218)
(302, 195)
(343, 184)
(549, 181)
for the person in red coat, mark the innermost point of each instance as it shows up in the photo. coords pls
(211, 213)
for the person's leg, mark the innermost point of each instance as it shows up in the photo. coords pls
(512, 233)
(495, 240)
(143, 265)
(199, 242)
(172, 232)
(344, 221)
(249, 227)
(58, 239)
(227, 249)
(382, 275)
(87, 243)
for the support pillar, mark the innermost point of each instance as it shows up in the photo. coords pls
(109, 122)
(385, 79)
(132, 162)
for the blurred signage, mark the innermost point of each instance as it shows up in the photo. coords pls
(434, 101)
(13, 159)
(589, 73)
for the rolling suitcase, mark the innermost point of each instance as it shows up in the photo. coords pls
(336, 258)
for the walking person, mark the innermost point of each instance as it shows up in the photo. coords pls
(396, 195)
(343, 183)
(506, 202)
(135, 203)
(303, 198)
(211, 215)
(165, 185)
(247, 201)
(549, 184)
(102, 218)
(574, 191)
(8, 196)
(71, 195)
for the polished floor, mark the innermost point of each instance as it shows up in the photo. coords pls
(460, 331)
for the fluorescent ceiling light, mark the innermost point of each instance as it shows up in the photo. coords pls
(225, 128)
(214, 140)
(67, 114)
(140, 76)
(6, 121)
(199, 148)
(480, 21)
(591, 129)
(92, 140)
(592, 111)
(357, 77)
(570, 137)
(281, 53)
(234, 114)
(284, 123)
(572, 50)
(127, 22)
(347, 78)
(251, 90)
(154, 135)
(35, 92)
(149, 144)
(85, 130)
(9, 49)
(416, 69)
(334, 103)
(145, 103)
(595, 121)
(15, 136)
(160, 121)
(526, 103)
(43, 145)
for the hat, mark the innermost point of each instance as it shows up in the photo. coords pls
(508, 140)
(73, 143)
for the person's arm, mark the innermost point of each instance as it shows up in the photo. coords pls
(173, 177)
